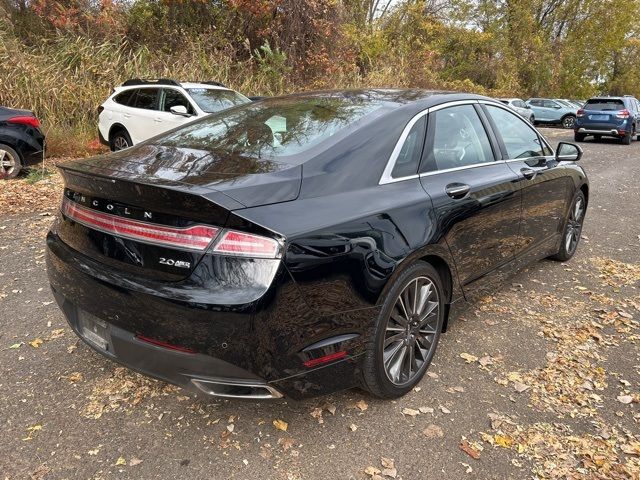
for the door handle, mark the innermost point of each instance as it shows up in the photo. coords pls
(157, 120)
(457, 190)
(528, 173)
(126, 115)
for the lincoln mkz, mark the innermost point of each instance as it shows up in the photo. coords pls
(305, 244)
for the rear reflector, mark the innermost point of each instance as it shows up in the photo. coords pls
(160, 343)
(314, 362)
(25, 120)
(244, 244)
(197, 237)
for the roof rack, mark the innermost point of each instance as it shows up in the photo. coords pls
(211, 82)
(156, 81)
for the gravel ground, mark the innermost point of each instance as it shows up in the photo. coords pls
(540, 379)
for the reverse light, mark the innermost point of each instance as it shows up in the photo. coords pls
(245, 244)
(314, 362)
(25, 120)
(623, 114)
(580, 113)
(197, 237)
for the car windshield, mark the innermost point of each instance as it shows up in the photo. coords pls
(273, 128)
(212, 100)
(604, 104)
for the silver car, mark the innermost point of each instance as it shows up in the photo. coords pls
(520, 107)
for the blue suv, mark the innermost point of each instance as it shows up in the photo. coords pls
(550, 111)
(617, 117)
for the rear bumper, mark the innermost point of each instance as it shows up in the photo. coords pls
(103, 140)
(611, 132)
(234, 351)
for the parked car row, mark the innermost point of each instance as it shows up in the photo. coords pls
(546, 110)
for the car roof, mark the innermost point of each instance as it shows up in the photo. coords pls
(184, 85)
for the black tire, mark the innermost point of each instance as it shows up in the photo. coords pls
(626, 140)
(573, 227)
(532, 120)
(10, 162)
(579, 137)
(597, 137)
(568, 121)
(375, 373)
(118, 140)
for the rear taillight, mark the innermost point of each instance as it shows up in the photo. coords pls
(623, 114)
(244, 244)
(197, 237)
(25, 120)
(580, 113)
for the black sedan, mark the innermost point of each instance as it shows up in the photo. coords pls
(21, 141)
(310, 243)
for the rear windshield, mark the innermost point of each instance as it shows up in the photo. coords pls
(273, 128)
(604, 104)
(212, 100)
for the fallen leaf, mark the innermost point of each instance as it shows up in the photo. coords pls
(520, 387)
(135, 461)
(425, 409)
(362, 405)
(121, 461)
(468, 357)
(469, 450)
(410, 411)
(390, 472)
(231, 426)
(93, 452)
(626, 399)
(353, 427)
(371, 470)
(444, 409)
(281, 425)
(329, 407)
(387, 462)
(433, 431)
(36, 342)
(16, 345)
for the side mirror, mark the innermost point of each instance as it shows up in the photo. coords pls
(528, 107)
(568, 152)
(180, 110)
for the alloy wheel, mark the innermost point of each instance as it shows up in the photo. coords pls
(120, 143)
(568, 122)
(7, 163)
(574, 226)
(410, 333)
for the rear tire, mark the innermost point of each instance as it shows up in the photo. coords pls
(579, 137)
(572, 228)
(568, 121)
(406, 335)
(120, 140)
(626, 140)
(10, 162)
(532, 120)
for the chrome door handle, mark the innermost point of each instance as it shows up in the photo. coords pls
(457, 190)
(528, 173)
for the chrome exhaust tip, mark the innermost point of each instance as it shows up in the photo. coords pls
(230, 389)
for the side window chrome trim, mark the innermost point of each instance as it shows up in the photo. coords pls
(386, 174)
(465, 167)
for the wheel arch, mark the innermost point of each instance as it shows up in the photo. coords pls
(116, 127)
(585, 191)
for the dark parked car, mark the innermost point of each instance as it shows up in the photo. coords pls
(21, 141)
(617, 117)
(310, 243)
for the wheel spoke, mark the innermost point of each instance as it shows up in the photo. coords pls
(395, 368)
(394, 338)
(399, 318)
(429, 311)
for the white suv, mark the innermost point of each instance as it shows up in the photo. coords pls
(141, 109)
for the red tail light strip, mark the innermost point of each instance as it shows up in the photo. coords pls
(197, 237)
(314, 362)
(243, 244)
(25, 120)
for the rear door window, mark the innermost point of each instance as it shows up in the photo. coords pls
(147, 99)
(604, 104)
(457, 139)
(520, 140)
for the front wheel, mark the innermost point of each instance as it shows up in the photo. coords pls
(10, 163)
(532, 120)
(572, 229)
(406, 333)
(579, 137)
(569, 121)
